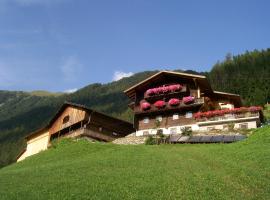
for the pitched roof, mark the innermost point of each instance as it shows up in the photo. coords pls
(234, 97)
(202, 80)
(87, 109)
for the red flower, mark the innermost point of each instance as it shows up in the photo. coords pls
(243, 109)
(198, 115)
(175, 87)
(145, 106)
(174, 102)
(188, 100)
(208, 114)
(159, 90)
(150, 92)
(255, 108)
(159, 104)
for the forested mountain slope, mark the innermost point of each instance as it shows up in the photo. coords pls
(22, 112)
(247, 74)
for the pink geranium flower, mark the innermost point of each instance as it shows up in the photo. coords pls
(174, 102)
(159, 104)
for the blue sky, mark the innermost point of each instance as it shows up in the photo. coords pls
(60, 45)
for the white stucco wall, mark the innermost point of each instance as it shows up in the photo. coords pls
(226, 106)
(197, 127)
(35, 145)
(167, 131)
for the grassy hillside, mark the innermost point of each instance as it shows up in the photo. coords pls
(83, 170)
(21, 112)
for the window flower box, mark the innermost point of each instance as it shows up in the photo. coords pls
(174, 102)
(188, 100)
(145, 106)
(229, 113)
(163, 89)
(159, 104)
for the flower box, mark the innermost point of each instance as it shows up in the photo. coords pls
(188, 100)
(174, 102)
(145, 106)
(163, 89)
(159, 104)
(229, 113)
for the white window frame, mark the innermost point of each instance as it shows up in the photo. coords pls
(188, 115)
(159, 118)
(175, 116)
(146, 120)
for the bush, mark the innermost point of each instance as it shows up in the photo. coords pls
(150, 140)
(186, 131)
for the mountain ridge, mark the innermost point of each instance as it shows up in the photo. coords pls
(21, 112)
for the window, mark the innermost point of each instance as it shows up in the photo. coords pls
(145, 132)
(146, 120)
(115, 134)
(188, 114)
(66, 119)
(175, 116)
(159, 118)
(173, 130)
(243, 126)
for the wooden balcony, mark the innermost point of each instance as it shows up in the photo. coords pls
(197, 102)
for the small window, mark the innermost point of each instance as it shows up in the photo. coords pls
(115, 134)
(100, 129)
(66, 119)
(173, 130)
(243, 126)
(159, 118)
(210, 128)
(146, 120)
(175, 116)
(145, 132)
(188, 114)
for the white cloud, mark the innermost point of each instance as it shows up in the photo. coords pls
(71, 90)
(119, 75)
(71, 68)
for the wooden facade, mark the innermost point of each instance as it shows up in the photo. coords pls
(74, 120)
(196, 86)
(68, 117)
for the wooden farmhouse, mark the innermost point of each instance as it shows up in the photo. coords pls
(74, 120)
(169, 101)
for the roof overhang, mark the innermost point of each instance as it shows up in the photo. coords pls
(198, 79)
(233, 97)
(78, 106)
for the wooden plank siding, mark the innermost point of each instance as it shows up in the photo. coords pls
(75, 115)
(167, 121)
(110, 124)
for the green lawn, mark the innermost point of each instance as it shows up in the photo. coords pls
(83, 170)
